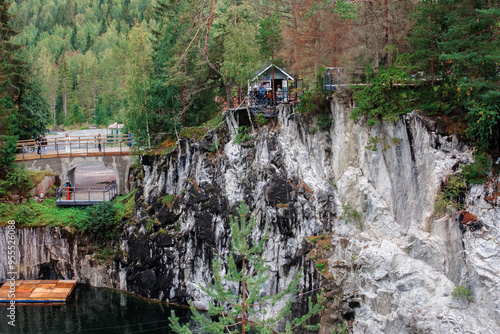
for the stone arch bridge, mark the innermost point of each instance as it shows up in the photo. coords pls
(65, 167)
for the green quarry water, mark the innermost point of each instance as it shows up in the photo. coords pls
(96, 311)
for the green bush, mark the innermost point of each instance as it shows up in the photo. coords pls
(102, 220)
(314, 101)
(349, 214)
(385, 97)
(17, 181)
(462, 292)
(450, 193)
(477, 172)
(261, 119)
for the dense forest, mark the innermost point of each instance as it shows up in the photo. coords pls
(158, 65)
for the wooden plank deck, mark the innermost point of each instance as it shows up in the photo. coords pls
(38, 291)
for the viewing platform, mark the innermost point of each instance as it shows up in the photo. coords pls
(80, 196)
(37, 291)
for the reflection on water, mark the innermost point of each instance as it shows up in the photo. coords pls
(96, 311)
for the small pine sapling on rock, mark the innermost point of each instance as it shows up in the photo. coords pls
(244, 309)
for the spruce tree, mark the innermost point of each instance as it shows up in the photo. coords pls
(11, 68)
(238, 303)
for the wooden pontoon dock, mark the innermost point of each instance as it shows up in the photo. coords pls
(38, 291)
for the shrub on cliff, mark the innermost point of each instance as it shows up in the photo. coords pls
(102, 220)
(18, 181)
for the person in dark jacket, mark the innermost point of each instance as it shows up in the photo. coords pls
(38, 142)
(44, 145)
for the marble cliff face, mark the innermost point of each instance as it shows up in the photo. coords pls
(390, 261)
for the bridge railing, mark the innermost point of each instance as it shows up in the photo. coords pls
(72, 196)
(78, 146)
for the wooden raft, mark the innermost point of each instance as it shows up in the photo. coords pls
(38, 291)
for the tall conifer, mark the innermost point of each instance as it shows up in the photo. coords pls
(238, 303)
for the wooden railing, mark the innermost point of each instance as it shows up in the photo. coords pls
(76, 146)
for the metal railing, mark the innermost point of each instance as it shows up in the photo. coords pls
(72, 196)
(268, 99)
(334, 77)
(76, 146)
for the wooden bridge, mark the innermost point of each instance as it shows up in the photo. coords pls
(55, 147)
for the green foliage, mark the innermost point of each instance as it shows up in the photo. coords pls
(450, 192)
(321, 266)
(47, 213)
(17, 181)
(373, 143)
(385, 96)
(242, 135)
(269, 37)
(125, 205)
(241, 51)
(33, 114)
(346, 10)
(105, 254)
(349, 214)
(79, 50)
(214, 145)
(314, 101)
(324, 121)
(477, 172)
(341, 328)
(102, 220)
(261, 119)
(461, 293)
(169, 199)
(456, 46)
(483, 121)
(244, 293)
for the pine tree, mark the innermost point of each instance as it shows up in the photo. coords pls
(243, 307)
(11, 68)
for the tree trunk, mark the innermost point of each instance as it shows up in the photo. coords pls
(183, 100)
(243, 303)
(229, 96)
(207, 37)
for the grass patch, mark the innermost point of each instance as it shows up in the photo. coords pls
(195, 133)
(102, 220)
(47, 213)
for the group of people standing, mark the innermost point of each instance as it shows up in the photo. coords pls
(263, 96)
(41, 144)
